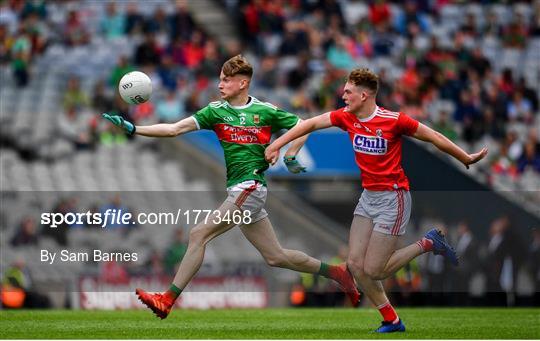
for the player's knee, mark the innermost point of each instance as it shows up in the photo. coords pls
(276, 260)
(197, 236)
(356, 267)
(373, 272)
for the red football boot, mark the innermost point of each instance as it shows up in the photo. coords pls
(160, 304)
(341, 274)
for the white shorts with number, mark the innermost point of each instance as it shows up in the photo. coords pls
(249, 196)
(389, 210)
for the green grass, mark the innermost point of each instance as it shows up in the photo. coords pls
(446, 323)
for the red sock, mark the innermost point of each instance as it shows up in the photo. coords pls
(425, 244)
(388, 313)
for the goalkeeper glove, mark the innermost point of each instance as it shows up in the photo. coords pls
(293, 165)
(120, 122)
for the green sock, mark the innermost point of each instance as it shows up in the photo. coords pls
(324, 270)
(174, 291)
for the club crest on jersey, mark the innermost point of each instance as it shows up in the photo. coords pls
(256, 119)
(372, 145)
(378, 132)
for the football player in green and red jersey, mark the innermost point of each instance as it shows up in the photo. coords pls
(244, 126)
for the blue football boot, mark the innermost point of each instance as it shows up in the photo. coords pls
(389, 327)
(441, 247)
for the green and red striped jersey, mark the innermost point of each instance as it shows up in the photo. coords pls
(244, 132)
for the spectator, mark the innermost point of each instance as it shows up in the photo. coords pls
(493, 127)
(75, 128)
(467, 251)
(74, 97)
(193, 50)
(528, 93)
(167, 73)
(445, 127)
(113, 24)
(134, 19)
(175, 252)
(520, 108)
(267, 77)
(75, 33)
(530, 159)
(515, 34)
(170, 109)
(182, 24)
(502, 164)
(479, 62)
(210, 66)
(297, 76)
(123, 67)
(496, 101)
(101, 102)
(59, 233)
(158, 23)
(148, 52)
(497, 252)
(533, 263)
(116, 208)
(338, 55)
(154, 265)
(21, 56)
(469, 114)
(379, 13)
(26, 233)
(411, 21)
(17, 281)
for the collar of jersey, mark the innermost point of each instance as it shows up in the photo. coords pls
(249, 103)
(370, 116)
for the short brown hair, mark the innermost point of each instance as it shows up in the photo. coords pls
(237, 65)
(365, 78)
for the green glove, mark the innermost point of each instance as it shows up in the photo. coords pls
(293, 165)
(120, 122)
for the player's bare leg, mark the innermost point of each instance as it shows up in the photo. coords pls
(360, 234)
(359, 240)
(381, 259)
(261, 234)
(199, 236)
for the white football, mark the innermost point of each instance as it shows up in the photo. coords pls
(135, 87)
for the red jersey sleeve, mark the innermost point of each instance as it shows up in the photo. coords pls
(337, 119)
(406, 125)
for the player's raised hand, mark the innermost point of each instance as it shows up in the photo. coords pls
(293, 165)
(120, 122)
(475, 157)
(271, 155)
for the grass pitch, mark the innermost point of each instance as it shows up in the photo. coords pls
(421, 323)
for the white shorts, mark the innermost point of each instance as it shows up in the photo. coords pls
(249, 196)
(389, 210)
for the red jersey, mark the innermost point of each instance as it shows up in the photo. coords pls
(376, 142)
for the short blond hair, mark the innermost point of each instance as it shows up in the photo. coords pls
(365, 78)
(237, 65)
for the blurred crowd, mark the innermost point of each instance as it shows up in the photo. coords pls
(438, 68)
(499, 268)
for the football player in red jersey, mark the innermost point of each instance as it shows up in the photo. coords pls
(384, 207)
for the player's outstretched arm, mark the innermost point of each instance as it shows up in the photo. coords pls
(303, 128)
(156, 130)
(440, 141)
